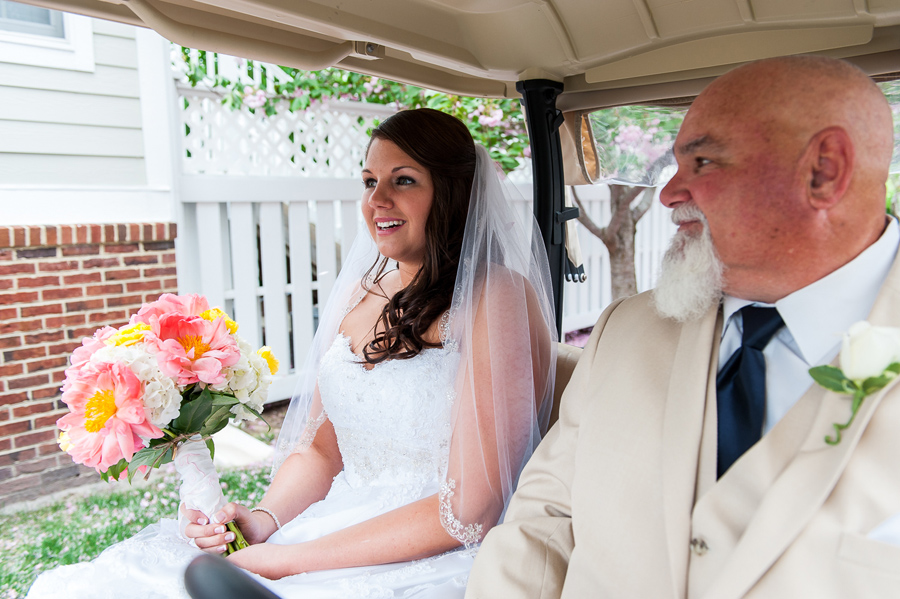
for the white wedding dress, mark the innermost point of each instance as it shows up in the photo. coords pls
(393, 427)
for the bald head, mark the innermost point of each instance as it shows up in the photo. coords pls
(794, 97)
(787, 158)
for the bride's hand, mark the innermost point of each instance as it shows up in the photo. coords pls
(212, 536)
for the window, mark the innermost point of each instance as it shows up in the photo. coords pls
(41, 37)
(22, 18)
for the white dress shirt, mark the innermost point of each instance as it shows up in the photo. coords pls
(815, 319)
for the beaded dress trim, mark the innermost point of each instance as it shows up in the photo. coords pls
(469, 534)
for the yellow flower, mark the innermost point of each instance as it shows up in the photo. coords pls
(100, 407)
(129, 335)
(266, 352)
(63, 441)
(214, 313)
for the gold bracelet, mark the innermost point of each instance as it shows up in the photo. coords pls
(271, 514)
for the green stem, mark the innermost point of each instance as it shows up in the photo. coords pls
(858, 397)
(239, 541)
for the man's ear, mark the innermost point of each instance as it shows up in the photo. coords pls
(830, 158)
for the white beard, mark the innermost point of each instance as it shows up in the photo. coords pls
(690, 279)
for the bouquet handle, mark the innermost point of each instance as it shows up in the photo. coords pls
(200, 488)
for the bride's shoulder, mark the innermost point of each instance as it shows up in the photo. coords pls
(505, 285)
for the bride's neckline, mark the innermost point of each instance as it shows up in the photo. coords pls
(347, 344)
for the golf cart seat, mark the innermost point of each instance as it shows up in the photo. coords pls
(566, 358)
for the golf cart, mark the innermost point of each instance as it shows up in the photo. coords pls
(564, 59)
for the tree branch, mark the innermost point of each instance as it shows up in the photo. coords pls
(647, 200)
(644, 205)
(586, 220)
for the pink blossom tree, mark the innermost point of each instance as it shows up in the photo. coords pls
(633, 147)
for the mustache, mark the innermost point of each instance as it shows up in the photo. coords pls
(686, 212)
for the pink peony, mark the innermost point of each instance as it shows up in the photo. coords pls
(192, 349)
(106, 422)
(82, 355)
(168, 303)
(89, 345)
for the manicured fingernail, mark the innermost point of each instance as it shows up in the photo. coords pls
(201, 520)
(218, 518)
(221, 548)
(219, 530)
(229, 537)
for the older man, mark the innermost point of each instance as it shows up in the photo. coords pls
(690, 458)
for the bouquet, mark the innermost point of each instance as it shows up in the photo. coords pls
(156, 390)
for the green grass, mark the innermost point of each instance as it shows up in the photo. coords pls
(78, 528)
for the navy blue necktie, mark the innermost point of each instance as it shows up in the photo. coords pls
(741, 387)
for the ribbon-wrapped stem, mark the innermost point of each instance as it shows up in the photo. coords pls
(200, 488)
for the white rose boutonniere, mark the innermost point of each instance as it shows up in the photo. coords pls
(870, 359)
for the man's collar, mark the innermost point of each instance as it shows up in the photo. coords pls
(819, 313)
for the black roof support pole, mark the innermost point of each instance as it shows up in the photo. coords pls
(544, 121)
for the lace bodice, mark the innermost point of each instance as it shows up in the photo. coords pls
(392, 421)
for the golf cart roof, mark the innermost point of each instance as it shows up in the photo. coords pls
(604, 52)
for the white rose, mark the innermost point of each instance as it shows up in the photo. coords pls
(868, 350)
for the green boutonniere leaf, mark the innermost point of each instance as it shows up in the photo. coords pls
(873, 384)
(831, 378)
(828, 377)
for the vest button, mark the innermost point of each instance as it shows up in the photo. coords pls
(699, 546)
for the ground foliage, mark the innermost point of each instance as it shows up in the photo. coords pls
(78, 528)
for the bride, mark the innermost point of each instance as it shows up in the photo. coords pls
(428, 386)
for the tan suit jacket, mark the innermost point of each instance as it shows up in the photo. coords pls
(621, 499)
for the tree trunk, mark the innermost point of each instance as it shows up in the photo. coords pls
(623, 278)
(618, 234)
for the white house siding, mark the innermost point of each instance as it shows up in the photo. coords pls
(69, 127)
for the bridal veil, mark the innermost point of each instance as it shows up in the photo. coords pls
(501, 322)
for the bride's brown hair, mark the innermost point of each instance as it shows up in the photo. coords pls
(443, 145)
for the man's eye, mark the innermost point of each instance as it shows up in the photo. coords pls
(405, 181)
(700, 162)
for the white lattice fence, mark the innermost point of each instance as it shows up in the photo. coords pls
(326, 140)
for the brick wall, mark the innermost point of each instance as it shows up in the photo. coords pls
(59, 284)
